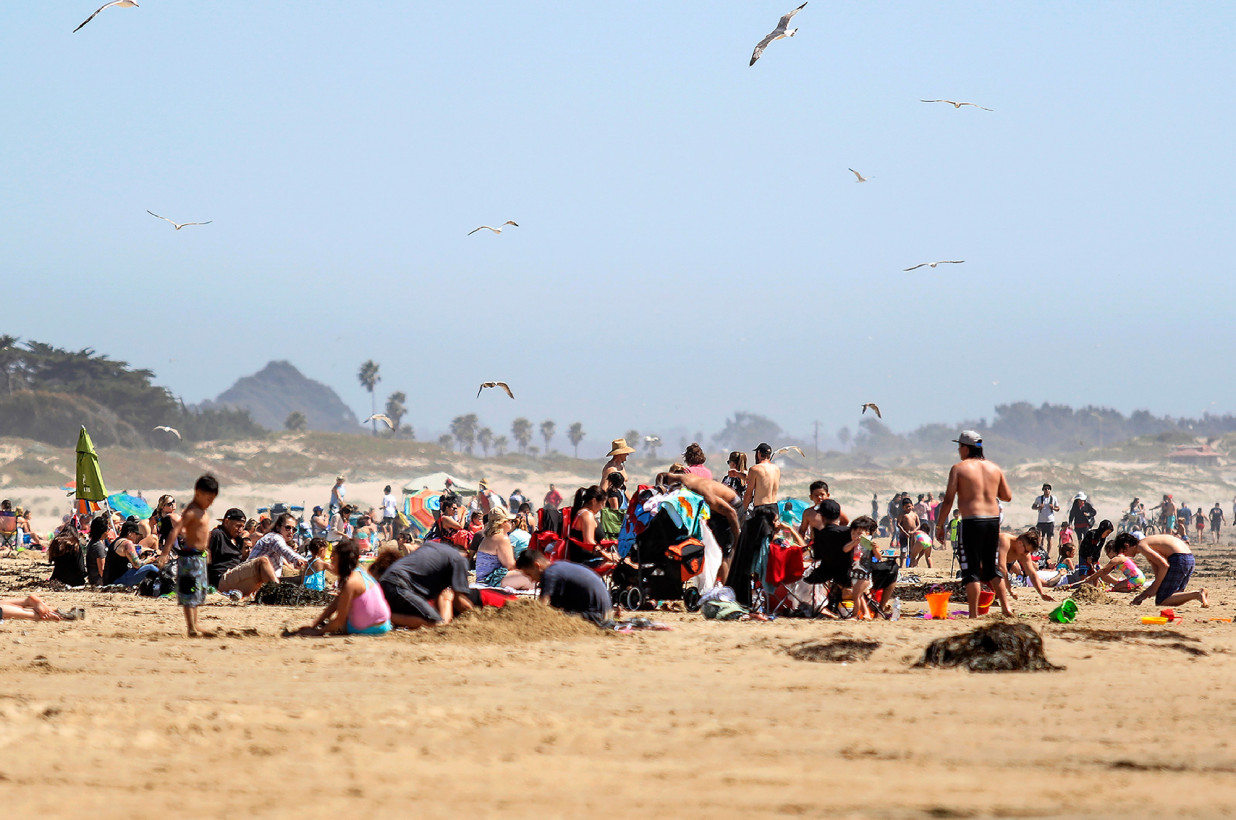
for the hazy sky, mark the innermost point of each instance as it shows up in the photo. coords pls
(690, 241)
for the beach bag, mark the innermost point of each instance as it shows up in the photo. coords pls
(723, 610)
(690, 556)
(153, 586)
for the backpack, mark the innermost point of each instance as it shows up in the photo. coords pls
(723, 610)
(153, 586)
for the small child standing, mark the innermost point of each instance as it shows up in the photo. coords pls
(189, 538)
(1066, 534)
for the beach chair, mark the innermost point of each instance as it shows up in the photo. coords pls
(782, 576)
(8, 530)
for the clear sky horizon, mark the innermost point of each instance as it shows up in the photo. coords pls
(690, 241)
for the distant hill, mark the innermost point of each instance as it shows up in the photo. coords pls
(279, 389)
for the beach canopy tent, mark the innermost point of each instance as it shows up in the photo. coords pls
(90, 488)
(790, 511)
(436, 482)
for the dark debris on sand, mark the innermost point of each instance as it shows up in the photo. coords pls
(918, 592)
(291, 595)
(998, 647)
(841, 650)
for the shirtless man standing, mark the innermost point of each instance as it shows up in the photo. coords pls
(978, 486)
(618, 452)
(190, 538)
(763, 484)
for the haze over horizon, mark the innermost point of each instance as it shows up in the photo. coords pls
(662, 188)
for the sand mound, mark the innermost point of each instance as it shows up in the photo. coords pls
(842, 650)
(1000, 647)
(1090, 594)
(521, 621)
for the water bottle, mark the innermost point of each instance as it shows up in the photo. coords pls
(896, 609)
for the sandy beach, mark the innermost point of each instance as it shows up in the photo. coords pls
(123, 716)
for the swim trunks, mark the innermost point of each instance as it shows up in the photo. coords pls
(1179, 571)
(190, 579)
(980, 547)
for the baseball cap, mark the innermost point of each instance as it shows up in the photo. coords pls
(969, 438)
(764, 448)
(318, 508)
(234, 514)
(830, 509)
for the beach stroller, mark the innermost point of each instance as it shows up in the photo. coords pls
(663, 551)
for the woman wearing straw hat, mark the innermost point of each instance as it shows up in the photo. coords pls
(618, 452)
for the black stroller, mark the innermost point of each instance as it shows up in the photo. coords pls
(658, 567)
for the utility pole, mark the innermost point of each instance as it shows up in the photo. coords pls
(817, 447)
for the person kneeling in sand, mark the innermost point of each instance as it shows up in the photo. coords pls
(360, 608)
(1016, 551)
(429, 587)
(573, 588)
(1172, 562)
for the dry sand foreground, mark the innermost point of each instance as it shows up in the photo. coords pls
(123, 716)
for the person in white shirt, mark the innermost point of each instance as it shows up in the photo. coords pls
(1048, 507)
(389, 509)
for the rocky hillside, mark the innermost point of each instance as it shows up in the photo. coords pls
(279, 389)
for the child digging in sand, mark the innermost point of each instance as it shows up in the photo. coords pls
(189, 539)
(1131, 580)
(1172, 562)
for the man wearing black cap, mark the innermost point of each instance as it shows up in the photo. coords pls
(763, 483)
(979, 486)
(226, 550)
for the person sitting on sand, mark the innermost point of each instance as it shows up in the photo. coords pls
(123, 565)
(1016, 551)
(448, 525)
(68, 563)
(1171, 560)
(1131, 580)
(360, 608)
(24, 530)
(832, 546)
(572, 588)
(313, 574)
(32, 608)
(428, 587)
(265, 562)
(495, 556)
(1092, 545)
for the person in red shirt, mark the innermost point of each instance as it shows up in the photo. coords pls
(553, 498)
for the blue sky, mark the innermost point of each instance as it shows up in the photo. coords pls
(690, 241)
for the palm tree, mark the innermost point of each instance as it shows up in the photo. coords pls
(521, 431)
(444, 441)
(485, 437)
(395, 409)
(369, 378)
(575, 433)
(501, 444)
(296, 422)
(547, 433)
(463, 428)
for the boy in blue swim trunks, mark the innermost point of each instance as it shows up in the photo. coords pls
(189, 539)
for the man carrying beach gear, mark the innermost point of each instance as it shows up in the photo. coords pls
(572, 588)
(1171, 560)
(763, 484)
(429, 587)
(1047, 508)
(618, 452)
(1216, 521)
(265, 562)
(191, 537)
(226, 548)
(978, 486)
(1016, 551)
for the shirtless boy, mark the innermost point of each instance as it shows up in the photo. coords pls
(190, 538)
(1016, 550)
(1172, 562)
(763, 484)
(978, 486)
(811, 516)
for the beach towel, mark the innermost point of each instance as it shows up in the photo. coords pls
(707, 579)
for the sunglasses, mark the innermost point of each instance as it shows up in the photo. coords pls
(289, 528)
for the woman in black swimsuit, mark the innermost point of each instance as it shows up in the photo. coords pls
(582, 546)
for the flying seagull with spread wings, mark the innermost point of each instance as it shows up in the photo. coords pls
(382, 418)
(782, 30)
(124, 4)
(933, 264)
(957, 104)
(874, 409)
(177, 225)
(494, 384)
(861, 178)
(171, 430)
(780, 451)
(495, 230)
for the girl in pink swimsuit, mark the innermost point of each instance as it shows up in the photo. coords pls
(360, 608)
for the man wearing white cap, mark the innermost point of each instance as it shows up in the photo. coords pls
(979, 486)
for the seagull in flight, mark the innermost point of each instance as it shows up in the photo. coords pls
(379, 417)
(780, 31)
(861, 178)
(494, 384)
(124, 4)
(874, 409)
(933, 264)
(178, 225)
(783, 450)
(956, 104)
(171, 430)
(495, 230)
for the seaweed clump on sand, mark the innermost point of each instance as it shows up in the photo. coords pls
(999, 647)
(291, 595)
(842, 650)
(1090, 594)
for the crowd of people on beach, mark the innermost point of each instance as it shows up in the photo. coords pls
(384, 577)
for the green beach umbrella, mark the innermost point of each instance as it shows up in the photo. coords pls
(89, 477)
